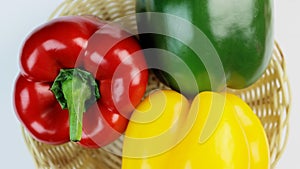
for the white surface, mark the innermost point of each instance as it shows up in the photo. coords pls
(19, 17)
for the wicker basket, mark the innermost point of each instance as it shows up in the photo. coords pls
(269, 97)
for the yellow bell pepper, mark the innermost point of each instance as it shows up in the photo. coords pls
(214, 131)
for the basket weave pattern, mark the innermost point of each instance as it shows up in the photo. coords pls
(269, 97)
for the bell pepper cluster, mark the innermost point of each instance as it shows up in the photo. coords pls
(201, 47)
(84, 80)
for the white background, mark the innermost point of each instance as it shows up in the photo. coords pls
(19, 17)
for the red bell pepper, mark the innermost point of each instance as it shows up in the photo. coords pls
(80, 80)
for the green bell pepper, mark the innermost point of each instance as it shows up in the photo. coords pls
(199, 45)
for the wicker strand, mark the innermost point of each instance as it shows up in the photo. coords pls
(269, 98)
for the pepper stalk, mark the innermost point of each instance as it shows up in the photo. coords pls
(75, 90)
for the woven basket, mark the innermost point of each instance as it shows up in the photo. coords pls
(269, 97)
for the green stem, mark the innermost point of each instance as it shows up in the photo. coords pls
(75, 90)
(76, 93)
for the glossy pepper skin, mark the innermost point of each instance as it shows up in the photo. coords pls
(212, 131)
(240, 34)
(106, 53)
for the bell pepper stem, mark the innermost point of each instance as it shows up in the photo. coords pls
(75, 90)
(76, 93)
